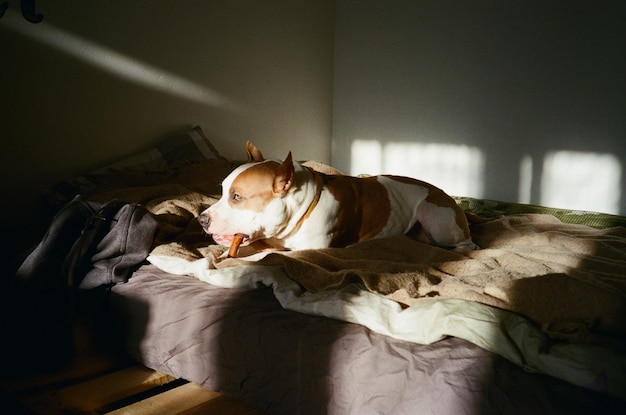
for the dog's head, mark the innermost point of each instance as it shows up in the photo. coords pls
(253, 202)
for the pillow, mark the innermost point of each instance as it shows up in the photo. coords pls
(174, 152)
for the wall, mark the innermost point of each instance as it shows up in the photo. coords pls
(509, 100)
(99, 80)
(497, 99)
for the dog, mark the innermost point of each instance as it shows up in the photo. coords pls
(289, 206)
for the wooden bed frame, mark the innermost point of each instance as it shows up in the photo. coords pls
(99, 381)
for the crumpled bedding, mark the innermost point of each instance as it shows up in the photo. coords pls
(461, 309)
(567, 278)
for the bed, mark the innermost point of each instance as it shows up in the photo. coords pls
(534, 322)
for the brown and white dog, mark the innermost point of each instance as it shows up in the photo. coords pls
(286, 205)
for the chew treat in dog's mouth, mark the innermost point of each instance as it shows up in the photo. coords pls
(234, 246)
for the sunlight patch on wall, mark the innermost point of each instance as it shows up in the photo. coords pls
(116, 63)
(582, 181)
(525, 180)
(457, 169)
(366, 157)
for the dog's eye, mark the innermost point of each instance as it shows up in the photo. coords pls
(235, 197)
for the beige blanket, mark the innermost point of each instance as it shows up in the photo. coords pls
(569, 279)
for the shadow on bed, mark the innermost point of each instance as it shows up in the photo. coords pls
(566, 278)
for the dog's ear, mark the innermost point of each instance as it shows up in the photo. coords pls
(283, 180)
(254, 154)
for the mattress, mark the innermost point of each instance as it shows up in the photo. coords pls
(243, 343)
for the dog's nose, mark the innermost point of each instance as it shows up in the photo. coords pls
(204, 220)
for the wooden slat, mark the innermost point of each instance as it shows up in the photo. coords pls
(76, 370)
(222, 405)
(92, 357)
(88, 396)
(172, 402)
